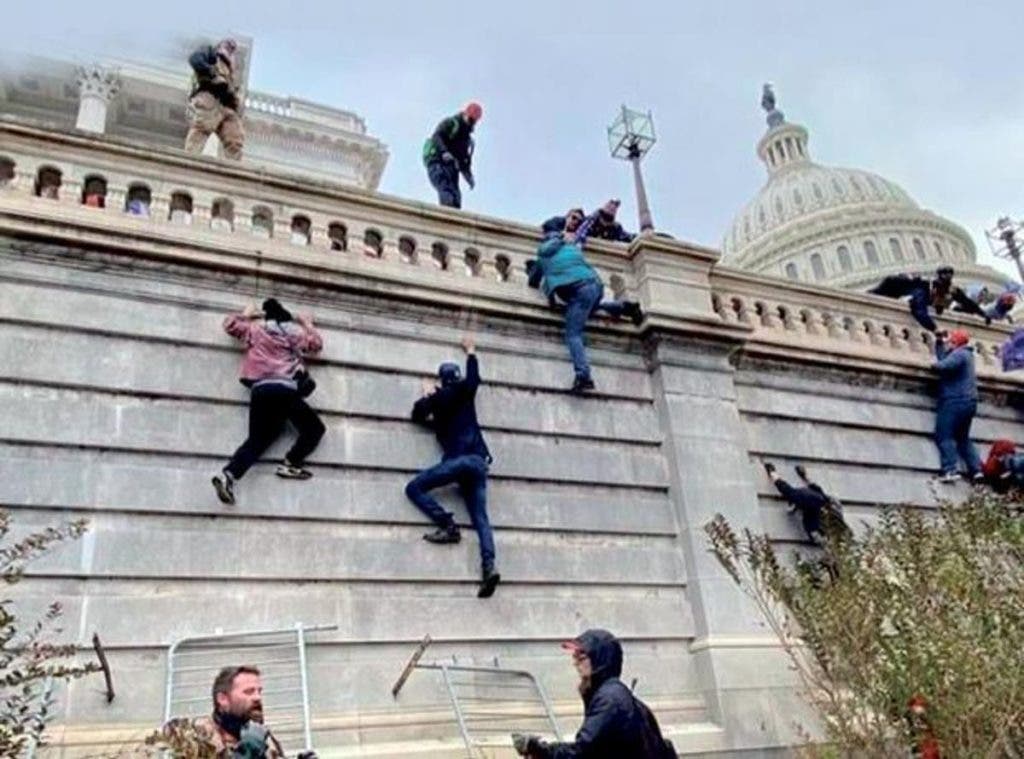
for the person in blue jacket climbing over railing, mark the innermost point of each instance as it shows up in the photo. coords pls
(565, 276)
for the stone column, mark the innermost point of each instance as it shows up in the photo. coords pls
(742, 670)
(97, 86)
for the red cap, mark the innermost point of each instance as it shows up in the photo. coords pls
(572, 646)
(473, 111)
(959, 337)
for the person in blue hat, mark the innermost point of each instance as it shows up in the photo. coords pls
(449, 409)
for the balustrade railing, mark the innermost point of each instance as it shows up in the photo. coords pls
(197, 200)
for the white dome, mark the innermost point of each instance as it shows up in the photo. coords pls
(840, 227)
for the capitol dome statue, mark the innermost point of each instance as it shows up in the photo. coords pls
(839, 227)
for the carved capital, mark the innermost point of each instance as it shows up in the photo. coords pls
(98, 81)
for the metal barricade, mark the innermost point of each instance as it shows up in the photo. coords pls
(280, 656)
(490, 703)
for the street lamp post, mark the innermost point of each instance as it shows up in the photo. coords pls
(630, 137)
(1004, 242)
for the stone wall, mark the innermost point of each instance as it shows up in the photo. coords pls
(119, 399)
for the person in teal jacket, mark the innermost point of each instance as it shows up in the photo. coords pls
(564, 274)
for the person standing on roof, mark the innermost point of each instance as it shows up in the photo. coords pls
(448, 152)
(215, 99)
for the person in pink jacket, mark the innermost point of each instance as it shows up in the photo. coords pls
(273, 369)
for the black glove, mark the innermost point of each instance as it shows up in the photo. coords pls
(252, 741)
(526, 745)
(307, 755)
(988, 321)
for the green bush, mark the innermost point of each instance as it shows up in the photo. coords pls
(923, 605)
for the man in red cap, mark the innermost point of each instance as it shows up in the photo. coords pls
(958, 403)
(449, 152)
(616, 724)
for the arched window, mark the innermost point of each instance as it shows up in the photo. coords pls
(48, 181)
(503, 267)
(6, 171)
(222, 215)
(472, 259)
(94, 191)
(838, 187)
(919, 249)
(896, 249)
(797, 197)
(138, 200)
(373, 243)
(439, 255)
(337, 233)
(789, 147)
(791, 271)
(407, 249)
(870, 253)
(938, 249)
(818, 192)
(301, 230)
(817, 266)
(262, 222)
(845, 262)
(181, 208)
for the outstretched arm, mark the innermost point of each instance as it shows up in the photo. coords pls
(968, 305)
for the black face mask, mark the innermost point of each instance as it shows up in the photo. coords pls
(232, 724)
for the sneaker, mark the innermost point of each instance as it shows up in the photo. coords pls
(949, 478)
(582, 385)
(631, 309)
(224, 484)
(292, 472)
(488, 584)
(978, 478)
(443, 535)
(800, 472)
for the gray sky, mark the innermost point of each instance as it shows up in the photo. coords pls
(919, 92)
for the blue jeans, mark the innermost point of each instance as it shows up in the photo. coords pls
(953, 434)
(470, 472)
(581, 300)
(444, 176)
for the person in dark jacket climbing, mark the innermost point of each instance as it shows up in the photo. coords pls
(820, 513)
(604, 226)
(616, 724)
(957, 405)
(450, 411)
(448, 152)
(939, 294)
(1003, 467)
(215, 99)
(563, 273)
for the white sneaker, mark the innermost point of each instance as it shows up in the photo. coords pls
(949, 478)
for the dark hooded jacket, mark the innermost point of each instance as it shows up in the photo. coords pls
(616, 724)
(451, 413)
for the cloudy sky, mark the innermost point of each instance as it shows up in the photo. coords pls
(928, 94)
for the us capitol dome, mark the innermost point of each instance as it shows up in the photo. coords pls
(839, 227)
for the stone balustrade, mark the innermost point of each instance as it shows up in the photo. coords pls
(837, 322)
(216, 204)
(211, 199)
